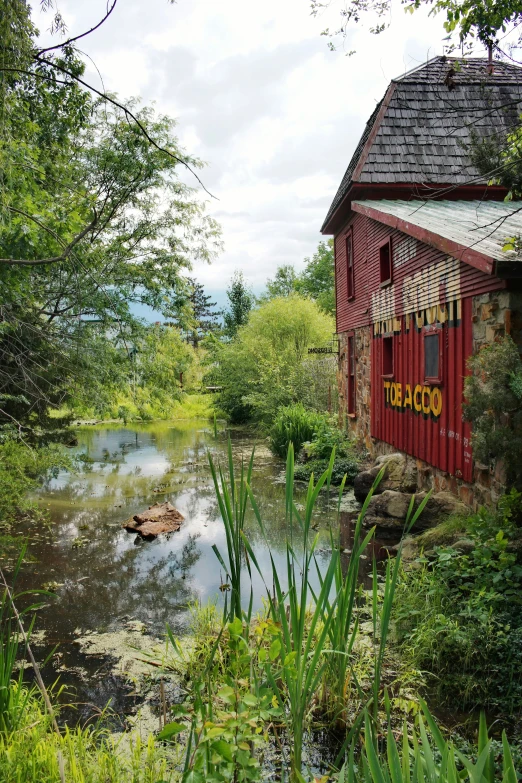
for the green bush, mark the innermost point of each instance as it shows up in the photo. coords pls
(343, 466)
(265, 367)
(459, 614)
(294, 424)
(494, 406)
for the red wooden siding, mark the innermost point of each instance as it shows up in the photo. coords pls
(421, 418)
(430, 293)
(409, 256)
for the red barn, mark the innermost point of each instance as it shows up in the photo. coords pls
(422, 280)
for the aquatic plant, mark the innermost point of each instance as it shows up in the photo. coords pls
(232, 500)
(293, 424)
(425, 756)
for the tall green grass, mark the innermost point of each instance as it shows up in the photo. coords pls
(232, 497)
(423, 755)
(13, 647)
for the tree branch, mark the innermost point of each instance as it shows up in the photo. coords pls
(82, 35)
(54, 259)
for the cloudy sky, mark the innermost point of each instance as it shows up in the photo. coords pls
(260, 98)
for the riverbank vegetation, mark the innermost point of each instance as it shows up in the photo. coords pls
(327, 653)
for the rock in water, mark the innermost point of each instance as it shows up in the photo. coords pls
(161, 518)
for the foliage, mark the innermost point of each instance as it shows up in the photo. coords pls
(343, 468)
(205, 317)
(316, 281)
(232, 500)
(94, 219)
(240, 303)
(293, 425)
(22, 469)
(227, 719)
(424, 755)
(318, 277)
(264, 367)
(316, 435)
(459, 614)
(469, 19)
(37, 754)
(283, 284)
(494, 406)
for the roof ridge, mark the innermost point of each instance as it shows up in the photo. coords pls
(417, 68)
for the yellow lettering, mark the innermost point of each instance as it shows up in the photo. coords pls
(399, 395)
(407, 397)
(417, 398)
(431, 314)
(387, 391)
(442, 313)
(436, 401)
(393, 396)
(426, 407)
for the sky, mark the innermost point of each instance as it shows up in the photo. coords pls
(259, 96)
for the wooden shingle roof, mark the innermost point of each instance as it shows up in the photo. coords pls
(419, 133)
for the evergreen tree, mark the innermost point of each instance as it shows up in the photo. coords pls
(206, 318)
(241, 301)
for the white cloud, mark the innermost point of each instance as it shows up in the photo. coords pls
(257, 95)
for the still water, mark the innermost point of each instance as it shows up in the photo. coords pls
(103, 576)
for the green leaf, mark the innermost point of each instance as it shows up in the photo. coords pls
(223, 749)
(275, 649)
(170, 730)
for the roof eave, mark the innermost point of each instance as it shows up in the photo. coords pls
(463, 253)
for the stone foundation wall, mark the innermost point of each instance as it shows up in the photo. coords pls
(359, 426)
(493, 314)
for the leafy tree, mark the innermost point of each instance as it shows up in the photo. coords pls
(266, 365)
(93, 218)
(283, 284)
(318, 277)
(241, 301)
(470, 20)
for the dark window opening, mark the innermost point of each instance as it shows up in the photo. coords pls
(387, 356)
(349, 266)
(385, 262)
(433, 357)
(351, 376)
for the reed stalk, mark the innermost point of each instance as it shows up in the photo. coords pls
(232, 500)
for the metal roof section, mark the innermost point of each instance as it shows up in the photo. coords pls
(472, 231)
(420, 133)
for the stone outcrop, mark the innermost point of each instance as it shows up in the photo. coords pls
(161, 518)
(388, 510)
(400, 475)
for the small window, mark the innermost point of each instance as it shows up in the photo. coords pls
(351, 375)
(349, 266)
(387, 356)
(385, 262)
(433, 357)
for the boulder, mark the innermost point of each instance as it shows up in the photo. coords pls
(400, 475)
(161, 518)
(387, 511)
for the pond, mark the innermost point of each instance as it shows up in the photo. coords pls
(104, 577)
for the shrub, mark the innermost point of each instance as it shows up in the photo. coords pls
(265, 366)
(494, 406)
(294, 424)
(458, 614)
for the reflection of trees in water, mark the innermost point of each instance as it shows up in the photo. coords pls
(187, 558)
(138, 582)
